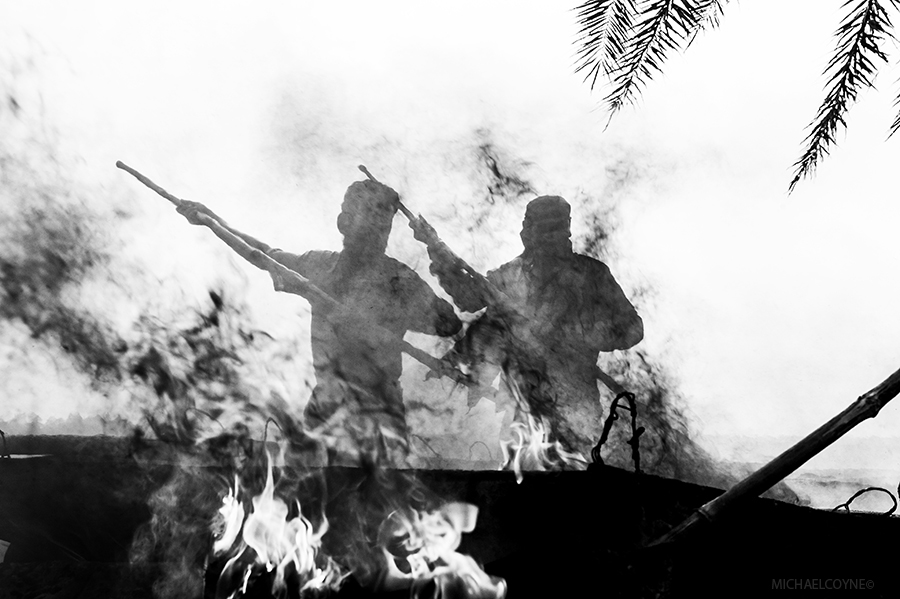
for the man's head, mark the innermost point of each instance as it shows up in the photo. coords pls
(545, 229)
(366, 214)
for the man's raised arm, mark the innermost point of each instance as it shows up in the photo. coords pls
(192, 210)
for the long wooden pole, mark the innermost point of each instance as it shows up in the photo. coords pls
(866, 406)
(303, 286)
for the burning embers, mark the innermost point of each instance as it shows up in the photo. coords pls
(270, 547)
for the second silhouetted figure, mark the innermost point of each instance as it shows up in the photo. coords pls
(564, 308)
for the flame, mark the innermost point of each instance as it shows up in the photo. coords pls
(532, 450)
(280, 544)
(263, 544)
(419, 548)
(460, 576)
(232, 516)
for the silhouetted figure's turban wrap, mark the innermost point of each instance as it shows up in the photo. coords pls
(547, 213)
(370, 194)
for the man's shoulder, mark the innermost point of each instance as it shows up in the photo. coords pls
(389, 263)
(579, 263)
(588, 264)
(591, 274)
(507, 268)
(323, 257)
(395, 269)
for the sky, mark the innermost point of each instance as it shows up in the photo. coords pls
(772, 311)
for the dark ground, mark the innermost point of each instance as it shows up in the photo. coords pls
(70, 518)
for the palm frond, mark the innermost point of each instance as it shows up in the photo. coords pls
(627, 41)
(895, 126)
(664, 26)
(605, 28)
(852, 68)
(711, 12)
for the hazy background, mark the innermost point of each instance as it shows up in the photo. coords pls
(772, 312)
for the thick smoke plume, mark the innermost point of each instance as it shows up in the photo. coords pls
(668, 446)
(215, 421)
(56, 253)
(209, 398)
(47, 250)
(211, 393)
(507, 183)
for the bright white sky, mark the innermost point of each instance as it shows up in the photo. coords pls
(774, 312)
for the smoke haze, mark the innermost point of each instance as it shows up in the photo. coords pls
(265, 114)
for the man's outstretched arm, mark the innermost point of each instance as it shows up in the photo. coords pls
(300, 264)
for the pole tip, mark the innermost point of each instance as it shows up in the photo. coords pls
(366, 172)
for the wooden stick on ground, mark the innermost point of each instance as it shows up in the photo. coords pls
(866, 406)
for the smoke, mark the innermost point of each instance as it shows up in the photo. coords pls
(48, 250)
(218, 416)
(177, 535)
(215, 374)
(469, 435)
(210, 388)
(667, 446)
(204, 392)
(64, 286)
(594, 229)
(56, 259)
(504, 179)
(54, 245)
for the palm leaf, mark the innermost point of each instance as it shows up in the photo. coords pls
(711, 12)
(617, 36)
(852, 68)
(895, 126)
(663, 26)
(605, 29)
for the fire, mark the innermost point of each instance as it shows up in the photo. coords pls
(532, 450)
(270, 539)
(232, 516)
(419, 548)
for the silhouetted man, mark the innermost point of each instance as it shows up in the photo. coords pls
(561, 309)
(357, 400)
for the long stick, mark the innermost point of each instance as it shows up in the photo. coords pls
(300, 284)
(866, 406)
(149, 183)
(494, 293)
